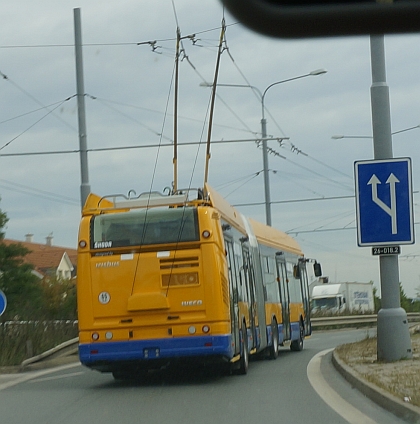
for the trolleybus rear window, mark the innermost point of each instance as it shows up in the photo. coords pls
(144, 227)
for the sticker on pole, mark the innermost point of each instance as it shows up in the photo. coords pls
(384, 202)
(3, 303)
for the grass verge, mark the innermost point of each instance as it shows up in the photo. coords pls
(19, 341)
(399, 378)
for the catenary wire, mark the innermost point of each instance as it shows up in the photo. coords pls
(31, 126)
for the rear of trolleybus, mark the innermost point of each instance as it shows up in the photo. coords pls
(161, 278)
(152, 284)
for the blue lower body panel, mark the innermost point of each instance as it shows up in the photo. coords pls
(102, 355)
(294, 333)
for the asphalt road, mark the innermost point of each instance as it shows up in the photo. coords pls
(298, 387)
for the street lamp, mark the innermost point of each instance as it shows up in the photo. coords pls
(339, 137)
(264, 130)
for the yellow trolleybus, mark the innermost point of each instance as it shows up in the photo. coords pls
(185, 277)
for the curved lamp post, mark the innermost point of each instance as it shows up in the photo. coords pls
(264, 130)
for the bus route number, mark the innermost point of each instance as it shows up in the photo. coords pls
(386, 250)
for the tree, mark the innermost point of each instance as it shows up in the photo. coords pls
(405, 301)
(377, 300)
(24, 294)
(59, 298)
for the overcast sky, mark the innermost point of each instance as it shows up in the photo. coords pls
(129, 103)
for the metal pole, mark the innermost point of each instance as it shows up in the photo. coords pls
(393, 341)
(84, 187)
(266, 170)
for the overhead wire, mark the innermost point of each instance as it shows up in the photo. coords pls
(5, 77)
(186, 118)
(236, 180)
(331, 180)
(195, 69)
(32, 111)
(21, 188)
(329, 166)
(304, 186)
(271, 150)
(32, 125)
(153, 44)
(188, 60)
(296, 150)
(244, 183)
(275, 122)
(312, 199)
(335, 218)
(256, 93)
(105, 149)
(334, 182)
(104, 103)
(127, 43)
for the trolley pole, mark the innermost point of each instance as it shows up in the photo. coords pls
(84, 186)
(393, 342)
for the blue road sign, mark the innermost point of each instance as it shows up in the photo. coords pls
(3, 303)
(384, 202)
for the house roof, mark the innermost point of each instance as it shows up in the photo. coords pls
(43, 256)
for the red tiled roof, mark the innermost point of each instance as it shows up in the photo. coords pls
(43, 256)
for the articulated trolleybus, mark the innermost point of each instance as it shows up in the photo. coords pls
(163, 279)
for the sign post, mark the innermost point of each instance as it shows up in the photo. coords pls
(384, 212)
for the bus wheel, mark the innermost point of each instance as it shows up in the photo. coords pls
(297, 345)
(244, 361)
(273, 350)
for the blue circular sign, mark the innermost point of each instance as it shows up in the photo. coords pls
(3, 302)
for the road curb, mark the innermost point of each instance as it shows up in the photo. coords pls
(66, 349)
(409, 413)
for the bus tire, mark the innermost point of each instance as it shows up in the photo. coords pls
(244, 361)
(273, 350)
(297, 345)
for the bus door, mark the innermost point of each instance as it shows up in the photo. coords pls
(234, 294)
(250, 287)
(304, 286)
(284, 296)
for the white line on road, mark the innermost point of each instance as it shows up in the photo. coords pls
(331, 397)
(58, 377)
(31, 375)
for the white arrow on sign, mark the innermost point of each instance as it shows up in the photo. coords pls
(391, 211)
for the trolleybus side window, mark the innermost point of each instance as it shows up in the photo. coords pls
(271, 286)
(294, 285)
(304, 283)
(233, 286)
(284, 297)
(233, 278)
(242, 289)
